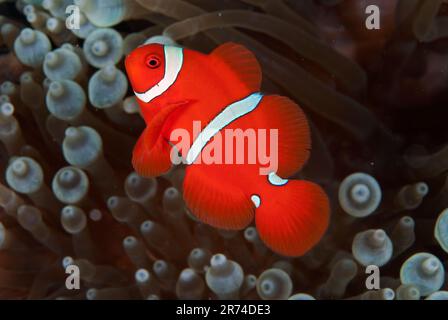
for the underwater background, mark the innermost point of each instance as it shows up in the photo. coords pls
(376, 101)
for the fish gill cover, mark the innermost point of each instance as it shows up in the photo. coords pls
(364, 84)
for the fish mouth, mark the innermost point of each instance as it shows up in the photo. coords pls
(156, 125)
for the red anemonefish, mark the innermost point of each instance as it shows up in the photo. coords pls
(176, 87)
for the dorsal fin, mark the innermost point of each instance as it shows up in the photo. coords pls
(242, 62)
(294, 141)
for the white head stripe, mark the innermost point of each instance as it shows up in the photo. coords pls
(174, 58)
(228, 115)
(276, 180)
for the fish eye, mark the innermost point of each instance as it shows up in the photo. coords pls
(153, 61)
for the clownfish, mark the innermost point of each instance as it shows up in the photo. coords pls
(176, 87)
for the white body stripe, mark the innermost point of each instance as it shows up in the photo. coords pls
(227, 116)
(174, 58)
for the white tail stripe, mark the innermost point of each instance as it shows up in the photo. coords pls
(223, 119)
(275, 180)
(174, 58)
(256, 200)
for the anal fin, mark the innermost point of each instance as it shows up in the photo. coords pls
(215, 201)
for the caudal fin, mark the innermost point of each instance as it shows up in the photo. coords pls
(293, 217)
